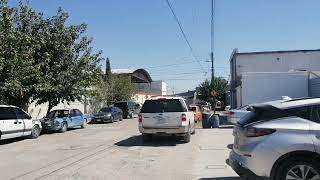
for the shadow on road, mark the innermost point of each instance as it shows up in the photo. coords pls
(222, 178)
(156, 141)
(9, 141)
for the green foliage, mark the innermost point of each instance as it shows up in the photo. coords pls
(220, 85)
(115, 88)
(43, 58)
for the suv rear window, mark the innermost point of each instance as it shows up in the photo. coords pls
(162, 105)
(121, 105)
(262, 113)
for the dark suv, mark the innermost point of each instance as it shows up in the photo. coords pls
(129, 108)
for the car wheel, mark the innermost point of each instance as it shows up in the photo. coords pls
(146, 137)
(64, 127)
(35, 132)
(112, 119)
(131, 116)
(300, 168)
(84, 124)
(187, 136)
(121, 118)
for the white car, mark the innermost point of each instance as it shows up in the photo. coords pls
(166, 115)
(14, 122)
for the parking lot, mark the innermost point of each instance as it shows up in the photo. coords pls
(116, 151)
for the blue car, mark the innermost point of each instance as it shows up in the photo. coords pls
(62, 119)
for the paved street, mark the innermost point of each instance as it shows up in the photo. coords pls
(115, 151)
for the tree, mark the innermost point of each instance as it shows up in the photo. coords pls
(116, 88)
(43, 59)
(19, 42)
(71, 68)
(220, 86)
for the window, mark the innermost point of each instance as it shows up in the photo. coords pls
(315, 114)
(78, 112)
(262, 113)
(106, 109)
(7, 113)
(302, 112)
(21, 114)
(162, 105)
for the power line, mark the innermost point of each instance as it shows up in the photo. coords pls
(183, 33)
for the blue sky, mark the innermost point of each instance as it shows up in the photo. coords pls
(143, 33)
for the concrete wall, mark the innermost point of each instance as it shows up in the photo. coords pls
(315, 87)
(277, 62)
(39, 111)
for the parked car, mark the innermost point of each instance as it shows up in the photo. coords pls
(14, 122)
(197, 112)
(166, 115)
(62, 119)
(108, 114)
(234, 115)
(128, 108)
(279, 141)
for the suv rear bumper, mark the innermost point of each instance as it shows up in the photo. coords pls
(172, 130)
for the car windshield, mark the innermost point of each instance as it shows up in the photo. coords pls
(108, 109)
(58, 113)
(121, 105)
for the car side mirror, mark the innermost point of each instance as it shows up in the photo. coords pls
(29, 117)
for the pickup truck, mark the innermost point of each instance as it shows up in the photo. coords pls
(14, 122)
(166, 116)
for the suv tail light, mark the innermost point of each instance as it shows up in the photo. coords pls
(140, 118)
(257, 132)
(183, 117)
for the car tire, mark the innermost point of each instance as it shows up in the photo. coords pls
(293, 165)
(187, 137)
(84, 124)
(111, 119)
(121, 118)
(131, 116)
(64, 127)
(146, 137)
(35, 132)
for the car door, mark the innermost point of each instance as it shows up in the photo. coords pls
(79, 117)
(315, 126)
(26, 120)
(72, 118)
(10, 126)
(117, 112)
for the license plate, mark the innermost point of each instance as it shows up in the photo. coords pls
(161, 121)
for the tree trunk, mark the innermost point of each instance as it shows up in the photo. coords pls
(50, 106)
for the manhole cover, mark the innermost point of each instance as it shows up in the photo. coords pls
(216, 166)
(211, 148)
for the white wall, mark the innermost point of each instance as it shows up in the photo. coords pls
(263, 87)
(277, 62)
(39, 111)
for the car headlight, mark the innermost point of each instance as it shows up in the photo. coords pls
(107, 115)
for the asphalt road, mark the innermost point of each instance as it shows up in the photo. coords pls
(116, 151)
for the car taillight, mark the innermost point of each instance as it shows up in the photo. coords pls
(183, 117)
(231, 113)
(257, 132)
(140, 118)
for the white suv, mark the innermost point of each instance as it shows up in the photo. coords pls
(14, 122)
(166, 115)
(279, 141)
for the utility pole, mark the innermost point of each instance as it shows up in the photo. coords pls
(211, 55)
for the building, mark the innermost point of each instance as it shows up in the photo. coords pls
(140, 77)
(242, 63)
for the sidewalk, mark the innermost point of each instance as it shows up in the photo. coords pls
(210, 162)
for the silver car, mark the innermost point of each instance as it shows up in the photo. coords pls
(279, 141)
